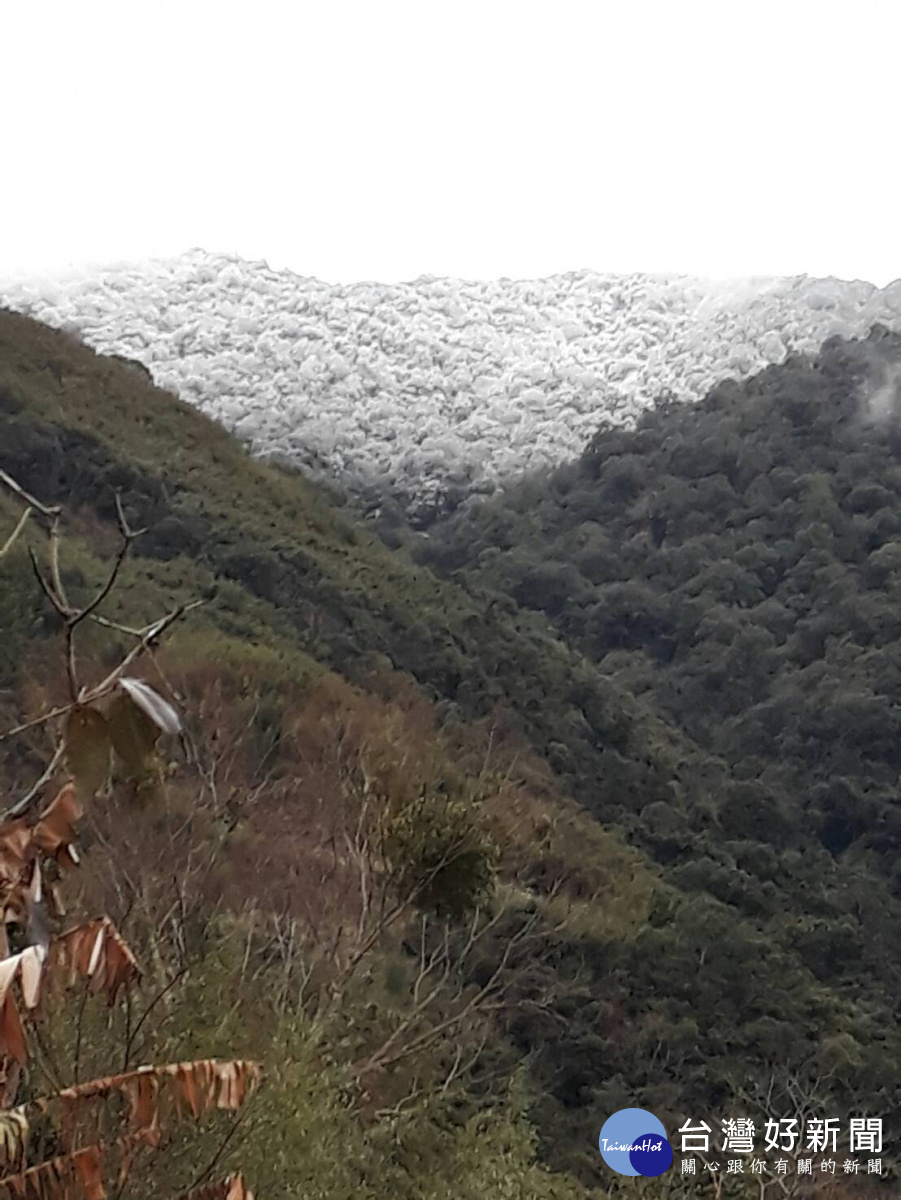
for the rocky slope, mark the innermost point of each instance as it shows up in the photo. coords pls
(437, 384)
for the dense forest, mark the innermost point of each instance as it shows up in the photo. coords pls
(648, 699)
(735, 564)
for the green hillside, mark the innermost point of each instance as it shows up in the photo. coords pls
(735, 565)
(693, 915)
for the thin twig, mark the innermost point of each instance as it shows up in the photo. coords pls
(107, 624)
(23, 521)
(22, 805)
(147, 1011)
(128, 536)
(76, 1068)
(49, 589)
(56, 577)
(205, 1173)
(19, 491)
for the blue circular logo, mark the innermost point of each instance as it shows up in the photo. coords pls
(633, 1142)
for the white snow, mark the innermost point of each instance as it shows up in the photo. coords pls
(437, 381)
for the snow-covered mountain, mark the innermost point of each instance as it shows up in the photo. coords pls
(438, 382)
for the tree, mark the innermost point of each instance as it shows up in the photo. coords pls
(79, 1139)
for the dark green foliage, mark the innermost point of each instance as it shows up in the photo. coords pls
(437, 855)
(738, 564)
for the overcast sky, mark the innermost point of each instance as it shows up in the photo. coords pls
(386, 139)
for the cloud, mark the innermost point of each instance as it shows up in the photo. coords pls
(880, 391)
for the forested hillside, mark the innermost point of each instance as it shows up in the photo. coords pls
(428, 390)
(659, 897)
(736, 565)
(376, 966)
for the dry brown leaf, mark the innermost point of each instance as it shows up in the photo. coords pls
(142, 1094)
(20, 847)
(15, 841)
(79, 1175)
(54, 833)
(95, 951)
(87, 750)
(194, 1088)
(133, 734)
(71, 1176)
(26, 967)
(90, 1175)
(12, 1035)
(189, 1083)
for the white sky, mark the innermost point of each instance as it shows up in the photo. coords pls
(384, 139)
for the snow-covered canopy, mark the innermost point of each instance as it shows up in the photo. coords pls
(437, 382)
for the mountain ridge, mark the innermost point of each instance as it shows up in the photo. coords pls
(439, 388)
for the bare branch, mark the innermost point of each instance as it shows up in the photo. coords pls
(48, 589)
(55, 573)
(46, 775)
(19, 491)
(128, 536)
(10, 541)
(148, 637)
(162, 992)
